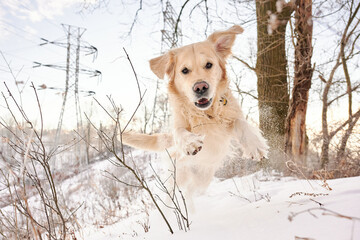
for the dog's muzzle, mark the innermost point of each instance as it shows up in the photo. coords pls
(201, 91)
(203, 102)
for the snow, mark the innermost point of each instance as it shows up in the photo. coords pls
(258, 206)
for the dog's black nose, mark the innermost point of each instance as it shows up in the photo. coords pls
(200, 87)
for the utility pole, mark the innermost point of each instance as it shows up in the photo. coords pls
(74, 47)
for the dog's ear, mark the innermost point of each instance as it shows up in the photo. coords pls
(224, 40)
(161, 65)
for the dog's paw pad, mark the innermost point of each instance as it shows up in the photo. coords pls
(254, 154)
(197, 150)
(194, 148)
(193, 144)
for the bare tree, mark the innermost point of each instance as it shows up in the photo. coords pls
(346, 53)
(295, 138)
(28, 173)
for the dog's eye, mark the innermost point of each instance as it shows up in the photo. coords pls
(208, 65)
(185, 71)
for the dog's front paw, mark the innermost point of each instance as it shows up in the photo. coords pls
(254, 145)
(257, 150)
(191, 144)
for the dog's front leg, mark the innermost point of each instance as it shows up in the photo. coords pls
(188, 143)
(252, 142)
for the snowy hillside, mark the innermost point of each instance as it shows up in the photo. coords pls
(257, 206)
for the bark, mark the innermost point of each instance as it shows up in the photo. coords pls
(271, 70)
(295, 140)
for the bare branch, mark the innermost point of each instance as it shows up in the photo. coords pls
(324, 211)
(245, 63)
(175, 34)
(135, 18)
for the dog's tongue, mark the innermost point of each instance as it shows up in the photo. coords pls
(203, 101)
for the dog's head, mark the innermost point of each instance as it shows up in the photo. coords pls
(197, 70)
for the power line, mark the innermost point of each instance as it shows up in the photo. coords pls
(27, 39)
(25, 31)
(20, 36)
(16, 56)
(23, 69)
(14, 26)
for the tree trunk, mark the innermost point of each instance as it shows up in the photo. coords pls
(295, 140)
(271, 72)
(352, 123)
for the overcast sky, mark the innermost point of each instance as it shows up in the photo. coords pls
(22, 25)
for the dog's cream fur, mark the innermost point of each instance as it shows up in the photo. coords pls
(202, 136)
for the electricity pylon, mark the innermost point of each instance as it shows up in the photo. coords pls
(74, 47)
(169, 40)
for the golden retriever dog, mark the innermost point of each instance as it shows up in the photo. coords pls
(207, 119)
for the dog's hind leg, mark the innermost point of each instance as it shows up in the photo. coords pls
(193, 180)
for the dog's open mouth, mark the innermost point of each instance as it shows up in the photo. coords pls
(203, 102)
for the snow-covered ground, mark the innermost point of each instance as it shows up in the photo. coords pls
(256, 207)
